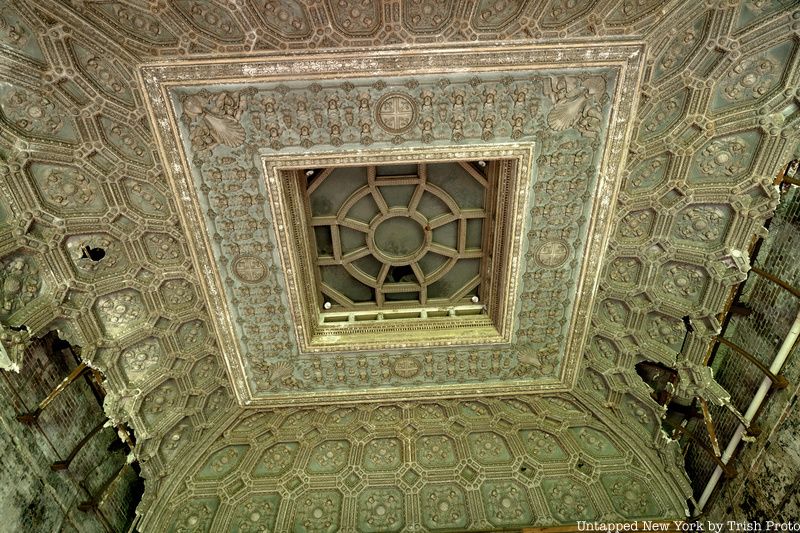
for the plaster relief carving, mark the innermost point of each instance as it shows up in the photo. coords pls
(112, 184)
(382, 510)
(355, 17)
(20, 283)
(288, 18)
(507, 503)
(211, 19)
(575, 103)
(444, 506)
(318, 511)
(703, 223)
(106, 76)
(493, 14)
(396, 112)
(249, 269)
(67, 188)
(126, 141)
(120, 312)
(18, 35)
(426, 16)
(36, 115)
(215, 120)
(753, 77)
(568, 498)
(136, 23)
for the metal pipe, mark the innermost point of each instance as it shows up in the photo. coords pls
(755, 404)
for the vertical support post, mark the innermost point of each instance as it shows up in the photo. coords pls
(712, 432)
(31, 416)
(776, 281)
(93, 503)
(63, 465)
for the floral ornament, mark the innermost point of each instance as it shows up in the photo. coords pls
(385, 415)
(723, 157)
(20, 283)
(329, 457)
(277, 459)
(666, 330)
(382, 454)
(682, 281)
(568, 500)
(624, 270)
(257, 513)
(444, 506)
(751, 78)
(33, 113)
(381, 510)
(488, 447)
(702, 223)
(506, 503)
(222, 462)
(541, 445)
(436, 450)
(141, 358)
(629, 498)
(319, 511)
(194, 517)
(68, 188)
(636, 224)
(120, 310)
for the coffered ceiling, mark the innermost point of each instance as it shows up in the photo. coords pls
(146, 216)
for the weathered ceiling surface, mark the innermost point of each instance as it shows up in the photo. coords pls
(554, 122)
(134, 163)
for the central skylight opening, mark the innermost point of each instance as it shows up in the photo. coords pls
(390, 248)
(400, 238)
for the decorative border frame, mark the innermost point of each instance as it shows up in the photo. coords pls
(512, 202)
(624, 58)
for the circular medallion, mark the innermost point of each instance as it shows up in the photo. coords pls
(249, 269)
(396, 112)
(552, 254)
(406, 367)
(399, 236)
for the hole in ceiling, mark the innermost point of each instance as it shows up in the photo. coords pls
(94, 254)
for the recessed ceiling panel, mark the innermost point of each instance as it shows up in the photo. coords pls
(249, 133)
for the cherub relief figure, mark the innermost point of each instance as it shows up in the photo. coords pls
(575, 103)
(216, 119)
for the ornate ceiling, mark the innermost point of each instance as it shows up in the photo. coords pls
(137, 141)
